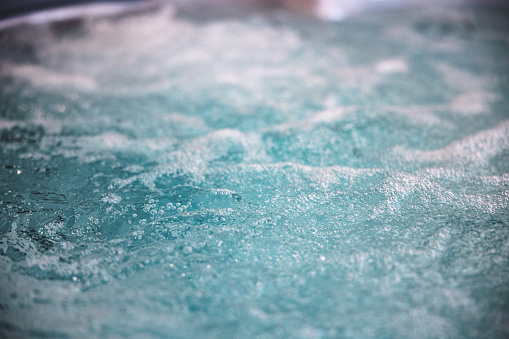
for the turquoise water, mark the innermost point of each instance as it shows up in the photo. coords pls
(256, 176)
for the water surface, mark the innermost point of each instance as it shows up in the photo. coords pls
(256, 176)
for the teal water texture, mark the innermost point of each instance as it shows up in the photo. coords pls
(261, 176)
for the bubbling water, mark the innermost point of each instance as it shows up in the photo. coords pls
(261, 176)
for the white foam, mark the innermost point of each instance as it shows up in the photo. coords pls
(470, 103)
(112, 198)
(398, 32)
(145, 52)
(8, 124)
(473, 151)
(220, 142)
(299, 174)
(425, 114)
(475, 89)
(368, 76)
(50, 125)
(330, 115)
(421, 189)
(388, 66)
(13, 239)
(51, 229)
(464, 80)
(44, 77)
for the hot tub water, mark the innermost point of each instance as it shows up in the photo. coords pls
(261, 176)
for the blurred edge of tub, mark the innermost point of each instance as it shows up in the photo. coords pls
(17, 12)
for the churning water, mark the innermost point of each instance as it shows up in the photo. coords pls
(256, 176)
